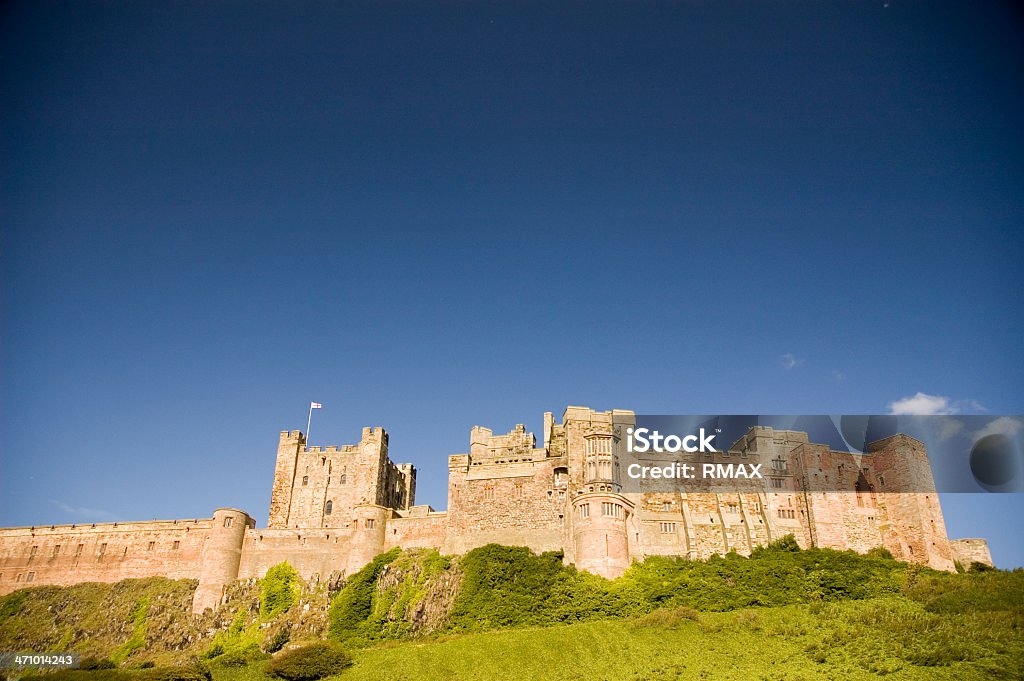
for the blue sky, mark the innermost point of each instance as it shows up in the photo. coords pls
(428, 218)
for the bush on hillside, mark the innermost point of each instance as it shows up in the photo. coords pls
(354, 603)
(314, 661)
(279, 591)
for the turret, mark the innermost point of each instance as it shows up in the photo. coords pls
(600, 537)
(369, 524)
(221, 556)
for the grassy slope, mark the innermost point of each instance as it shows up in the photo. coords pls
(852, 640)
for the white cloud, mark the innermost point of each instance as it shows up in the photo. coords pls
(789, 360)
(839, 376)
(922, 404)
(950, 427)
(1004, 425)
(83, 513)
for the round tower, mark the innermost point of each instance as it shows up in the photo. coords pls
(369, 524)
(599, 533)
(222, 553)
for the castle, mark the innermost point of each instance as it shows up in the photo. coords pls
(332, 509)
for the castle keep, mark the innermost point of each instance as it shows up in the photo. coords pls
(332, 509)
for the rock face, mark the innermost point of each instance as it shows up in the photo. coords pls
(333, 509)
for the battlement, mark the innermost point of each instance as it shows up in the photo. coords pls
(515, 445)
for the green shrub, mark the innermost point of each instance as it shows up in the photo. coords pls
(354, 603)
(310, 662)
(505, 586)
(980, 567)
(279, 591)
(240, 657)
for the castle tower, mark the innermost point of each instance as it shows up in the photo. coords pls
(914, 527)
(600, 537)
(289, 446)
(601, 515)
(369, 524)
(221, 556)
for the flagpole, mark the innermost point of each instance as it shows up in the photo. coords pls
(309, 421)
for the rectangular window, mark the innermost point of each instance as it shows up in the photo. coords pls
(33, 551)
(56, 550)
(175, 546)
(228, 521)
(584, 510)
(78, 550)
(610, 510)
(777, 483)
(370, 522)
(787, 513)
(668, 528)
(666, 506)
(151, 546)
(31, 577)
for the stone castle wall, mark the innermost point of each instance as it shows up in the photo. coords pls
(334, 508)
(101, 552)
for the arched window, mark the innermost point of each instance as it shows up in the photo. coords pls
(305, 479)
(328, 508)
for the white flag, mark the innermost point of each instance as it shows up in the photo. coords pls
(315, 405)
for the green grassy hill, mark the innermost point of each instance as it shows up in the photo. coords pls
(506, 613)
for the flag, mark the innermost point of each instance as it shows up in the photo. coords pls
(315, 405)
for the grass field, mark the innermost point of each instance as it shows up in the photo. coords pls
(894, 637)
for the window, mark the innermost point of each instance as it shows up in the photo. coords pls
(175, 546)
(666, 506)
(561, 477)
(151, 546)
(341, 480)
(56, 549)
(489, 491)
(611, 510)
(228, 521)
(776, 483)
(103, 548)
(778, 464)
(370, 522)
(33, 551)
(881, 481)
(517, 490)
(18, 578)
(584, 510)
(668, 528)
(31, 577)
(732, 507)
(329, 508)
(305, 480)
(787, 513)
(78, 550)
